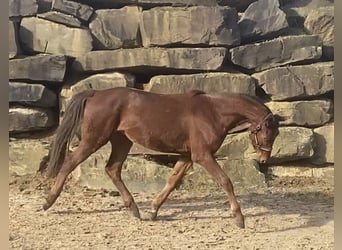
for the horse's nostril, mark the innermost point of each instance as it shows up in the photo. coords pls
(263, 161)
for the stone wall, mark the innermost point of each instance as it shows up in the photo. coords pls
(281, 51)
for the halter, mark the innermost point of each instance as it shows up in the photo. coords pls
(255, 132)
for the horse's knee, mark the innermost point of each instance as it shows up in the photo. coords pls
(202, 159)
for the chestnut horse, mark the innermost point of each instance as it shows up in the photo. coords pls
(192, 125)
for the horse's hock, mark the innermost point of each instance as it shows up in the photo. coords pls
(173, 49)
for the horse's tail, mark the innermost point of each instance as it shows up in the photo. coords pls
(66, 131)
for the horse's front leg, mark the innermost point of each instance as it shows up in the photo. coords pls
(213, 168)
(180, 168)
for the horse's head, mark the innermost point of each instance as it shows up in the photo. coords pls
(263, 135)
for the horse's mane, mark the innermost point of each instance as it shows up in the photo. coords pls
(255, 100)
(196, 92)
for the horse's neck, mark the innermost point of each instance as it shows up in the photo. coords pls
(244, 110)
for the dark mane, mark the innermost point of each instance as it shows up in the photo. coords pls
(196, 92)
(255, 100)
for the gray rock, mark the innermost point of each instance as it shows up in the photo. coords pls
(81, 11)
(30, 119)
(244, 174)
(297, 11)
(62, 18)
(116, 28)
(277, 52)
(324, 150)
(48, 36)
(297, 82)
(44, 5)
(293, 143)
(104, 81)
(161, 59)
(200, 25)
(20, 8)
(298, 170)
(32, 94)
(240, 5)
(13, 40)
(262, 19)
(142, 175)
(303, 113)
(40, 67)
(291, 170)
(207, 82)
(236, 146)
(321, 22)
(21, 159)
(139, 174)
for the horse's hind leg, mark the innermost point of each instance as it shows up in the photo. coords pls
(72, 160)
(214, 169)
(180, 168)
(120, 148)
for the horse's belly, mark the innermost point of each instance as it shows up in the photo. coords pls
(167, 142)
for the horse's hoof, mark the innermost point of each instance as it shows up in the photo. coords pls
(150, 216)
(46, 206)
(239, 220)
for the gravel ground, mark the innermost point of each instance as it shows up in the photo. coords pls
(294, 213)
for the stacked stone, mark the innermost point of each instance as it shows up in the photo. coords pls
(281, 51)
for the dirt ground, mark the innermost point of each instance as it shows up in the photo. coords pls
(294, 213)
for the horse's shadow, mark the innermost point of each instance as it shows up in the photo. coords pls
(311, 205)
(308, 204)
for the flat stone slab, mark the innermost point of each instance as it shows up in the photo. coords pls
(262, 19)
(13, 40)
(30, 119)
(32, 94)
(104, 81)
(21, 159)
(240, 5)
(180, 26)
(297, 11)
(116, 28)
(81, 11)
(244, 174)
(20, 8)
(297, 82)
(277, 52)
(323, 173)
(61, 18)
(142, 59)
(303, 113)
(236, 146)
(41, 67)
(48, 36)
(320, 22)
(293, 143)
(207, 82)
(324, 150)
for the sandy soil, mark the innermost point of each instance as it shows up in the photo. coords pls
(294, 213)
